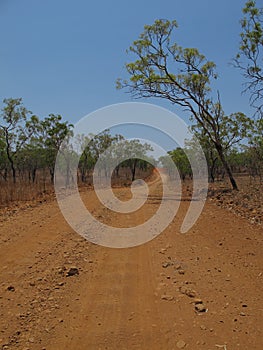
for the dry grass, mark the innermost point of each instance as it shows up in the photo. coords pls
(22, 191)
(25, 191)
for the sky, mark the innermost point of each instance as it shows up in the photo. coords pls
(64, 56)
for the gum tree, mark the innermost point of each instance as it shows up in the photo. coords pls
(255, 148)
(51, 134)
(183, 76)
(3, 157)
(233, 129)
(17, 127)
(249, 58)
(136, 152)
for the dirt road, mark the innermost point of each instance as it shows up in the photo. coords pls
(200, 290)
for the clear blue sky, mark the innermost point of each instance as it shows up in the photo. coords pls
(64, 56)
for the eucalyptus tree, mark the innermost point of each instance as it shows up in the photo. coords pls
(183, 76)
(51, 134)
(181, 161)
(249, 58)
(86, 160)
(255, 148)
(93, 147)
(17, 127)
(4, 164)
(233, 129)
(137, 154)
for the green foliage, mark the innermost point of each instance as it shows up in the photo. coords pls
(92, 147)
(4, 164)
(18, 124)
(137, 154)
(17, 127)
(181, 161)
(255, 149)
(27, 142)
(150, 74)
(250, 55)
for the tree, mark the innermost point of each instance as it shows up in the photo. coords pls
(249, 58)
(3, 157)
(255, 148)
(86, 161)
(136, 152)
(165, 162)
(99, 146)
(131, 154)
(233, 129)
(187, 83)
(51, 134)
(208, 149)
(31, 158)
(17, 128)
(181, 161)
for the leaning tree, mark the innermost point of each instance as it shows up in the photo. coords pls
(183, 76)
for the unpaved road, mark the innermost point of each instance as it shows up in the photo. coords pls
(137, 298)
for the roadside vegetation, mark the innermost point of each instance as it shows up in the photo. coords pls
(29, 146)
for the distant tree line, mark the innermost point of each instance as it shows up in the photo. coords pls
(245, 156)
(29, 147)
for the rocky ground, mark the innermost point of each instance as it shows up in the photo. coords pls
(247, 202)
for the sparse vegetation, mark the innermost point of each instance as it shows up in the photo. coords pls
(29, 146)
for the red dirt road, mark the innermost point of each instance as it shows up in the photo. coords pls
(138, 298)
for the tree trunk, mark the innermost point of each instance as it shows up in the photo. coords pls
(12, 166)
(117, 170)
(51, 171)
(133, 169)
(83, 177)
(226, 167)
(212, 170)
(67, 176)
(5, 174)
(13, 173)
(34, 171)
